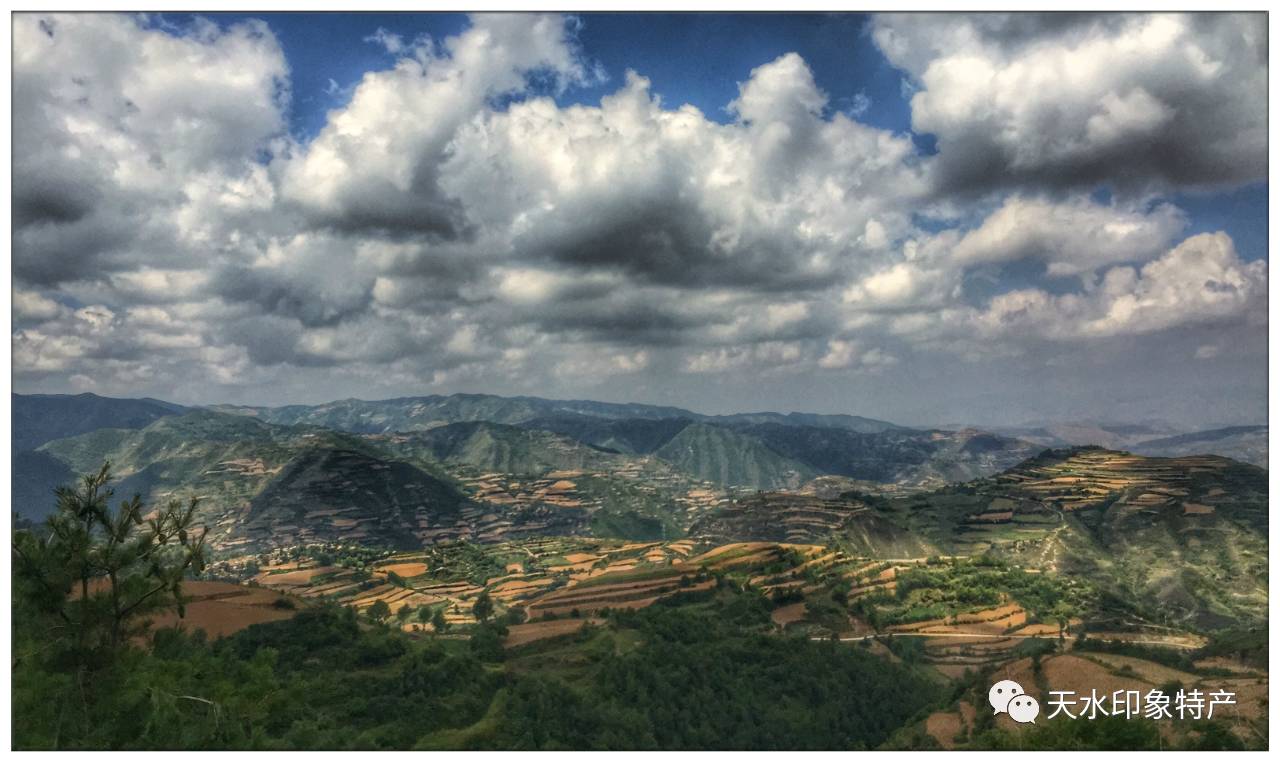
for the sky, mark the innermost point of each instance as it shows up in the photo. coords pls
(987, 219)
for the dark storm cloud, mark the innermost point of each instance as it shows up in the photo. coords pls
(281, 295)
(51, 252)
(108, 128)
(376, 207)
(667, 242)
(625, 318)
(46, 199)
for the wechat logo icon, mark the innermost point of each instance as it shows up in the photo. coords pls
(1007, 696)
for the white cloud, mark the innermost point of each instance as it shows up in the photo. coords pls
(1135, 100)
(375, 164)
(772, 200)
(1071, 237)
(34, 306)
(389, 41)
(1200, 281)
(114, 119)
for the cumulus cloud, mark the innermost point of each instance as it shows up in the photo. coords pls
(112, 118)
(1137, 101)
(33, 306)
(772, 201)
(842, 354)
(1071, 237)
(376, 163)
(1200, 281)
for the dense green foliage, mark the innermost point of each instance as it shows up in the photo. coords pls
(1248, 644)
(91, 572)
(700, 673)
(940, 590)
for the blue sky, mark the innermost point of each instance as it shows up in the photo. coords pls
(325, 47)
(913, 217)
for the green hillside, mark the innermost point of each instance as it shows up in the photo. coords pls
(226, 460)
(35, 476)
(40, 418)
(892, 457)
(626, 435)
(327, 495)
(1182, 541)
(723, 456)
(507, 449)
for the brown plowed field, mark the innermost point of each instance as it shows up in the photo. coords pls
(223, 608)
(521, 634)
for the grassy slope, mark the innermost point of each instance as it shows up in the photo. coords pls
(725, 457)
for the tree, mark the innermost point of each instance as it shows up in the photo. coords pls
(486, 642)
(98, 571)
(402, 614)
(379, 611)
(1062, 614)
(483, 607)
(424, 613)
(438, 622)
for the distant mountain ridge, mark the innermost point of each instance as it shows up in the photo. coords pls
(530, 435)
(1247, 444)
(1205, 436)
(40, 418)
(418, 413)
(1086, 433)
(500, 447)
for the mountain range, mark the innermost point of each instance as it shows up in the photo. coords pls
(1244, 443)
(407, 471)
(226, 453)
(419, 413)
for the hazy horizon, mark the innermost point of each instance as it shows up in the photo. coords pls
(939, 424)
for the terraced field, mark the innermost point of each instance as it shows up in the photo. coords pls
(938, 599)
(221, 608)
(545, 578)
(1094, 477)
